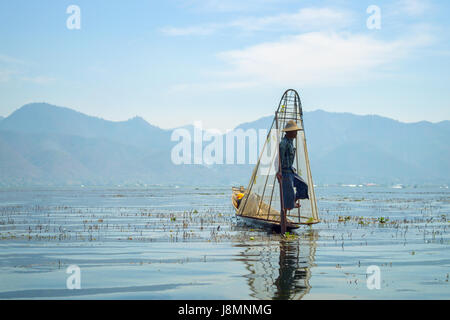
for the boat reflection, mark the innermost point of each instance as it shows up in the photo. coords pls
(280, 271)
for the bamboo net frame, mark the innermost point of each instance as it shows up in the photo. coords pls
(262, 199)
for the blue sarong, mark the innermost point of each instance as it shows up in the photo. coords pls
(291, 180)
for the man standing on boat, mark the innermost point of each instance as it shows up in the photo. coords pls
(288, 177)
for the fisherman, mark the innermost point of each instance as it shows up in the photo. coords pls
(288, 177)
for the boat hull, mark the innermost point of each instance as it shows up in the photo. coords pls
(267, 224)
(274, 225)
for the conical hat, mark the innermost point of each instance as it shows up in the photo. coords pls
(291, 126)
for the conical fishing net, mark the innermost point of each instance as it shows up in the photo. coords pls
(262, 197)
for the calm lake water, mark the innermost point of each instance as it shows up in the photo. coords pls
(186, 243)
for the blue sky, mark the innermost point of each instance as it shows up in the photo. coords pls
(226, 62)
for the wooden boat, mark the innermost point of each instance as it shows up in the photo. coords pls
(272, 221)
(262, 200)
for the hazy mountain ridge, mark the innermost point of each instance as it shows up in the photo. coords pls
(46, 118)
(41, 144)
(345, 147)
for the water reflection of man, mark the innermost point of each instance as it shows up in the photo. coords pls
(290, 276)
(288, 177)
(282, 272)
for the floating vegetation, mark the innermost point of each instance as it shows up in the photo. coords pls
(290, 236)
(148, 228)
(344, 219)
(383, 220)
(354, 221)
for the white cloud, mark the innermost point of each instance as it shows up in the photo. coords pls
(232, 5)
(401, 9)
(38, 79)
(15, 69)
(5, 75)
(318, 58)
(218, 85)
(10, 60)
(413, 7)
(8, 67)
(306, 19)
(316, 53)
(187, 31)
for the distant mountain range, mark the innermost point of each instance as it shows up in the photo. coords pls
(41, 144)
